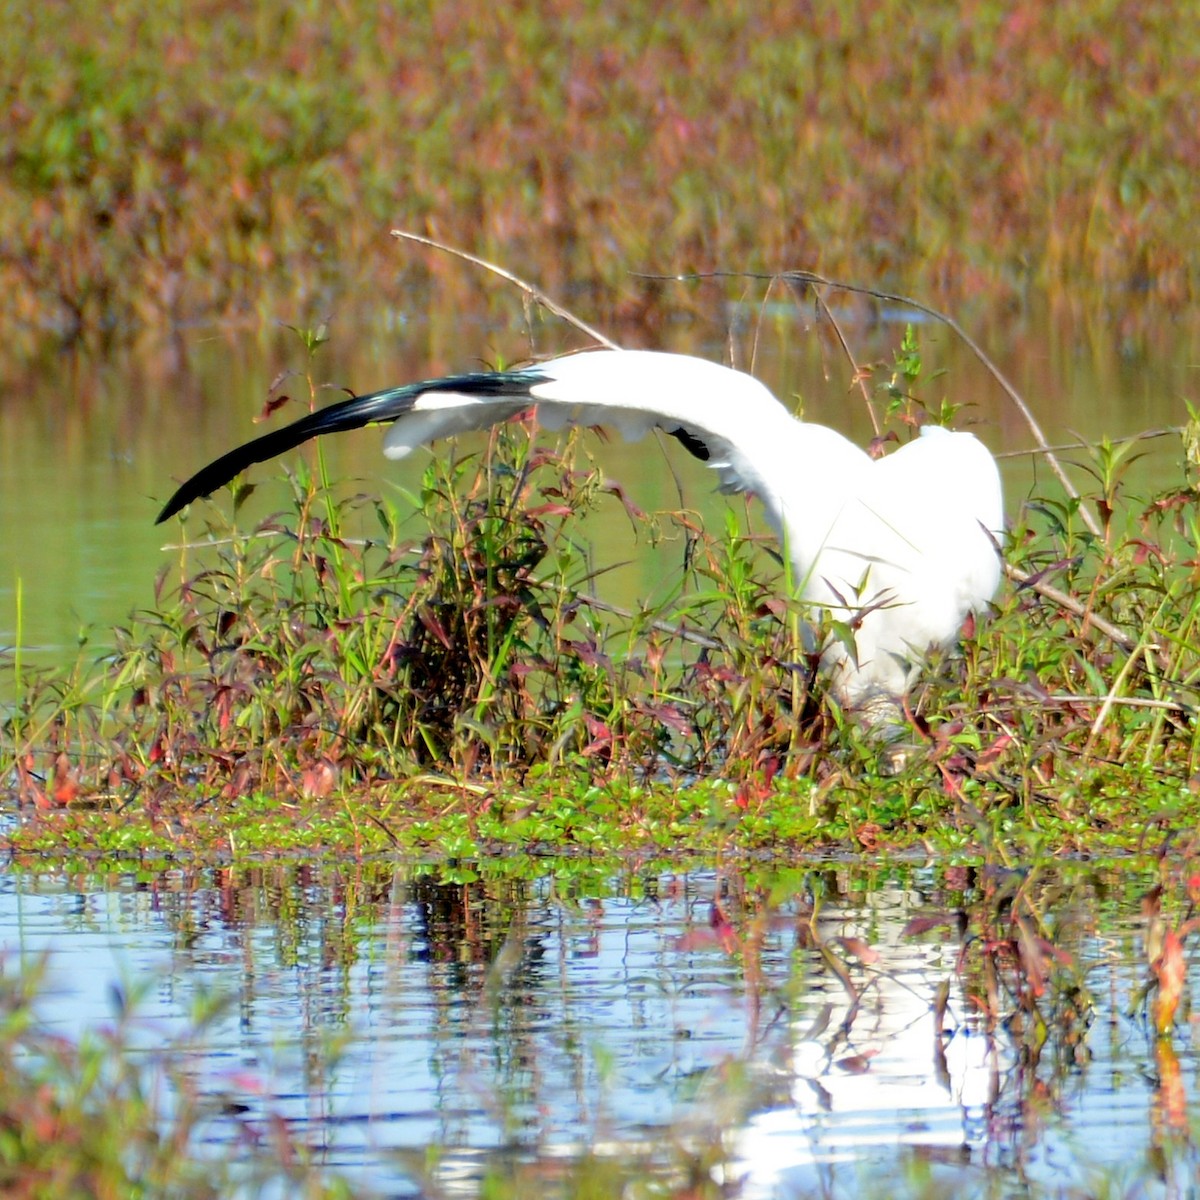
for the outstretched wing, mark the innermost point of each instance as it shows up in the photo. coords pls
(902, 547)
(375, 409)
(724, 417)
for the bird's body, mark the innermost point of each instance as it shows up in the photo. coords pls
(899, 549)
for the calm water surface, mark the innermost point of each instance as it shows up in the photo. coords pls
(789, 1018)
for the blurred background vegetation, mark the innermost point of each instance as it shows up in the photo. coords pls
(168, 163)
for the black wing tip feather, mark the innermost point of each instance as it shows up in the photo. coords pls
(346, 414)
(375, 408)
(206, 481)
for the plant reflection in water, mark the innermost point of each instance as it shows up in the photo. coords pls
(851, 1029)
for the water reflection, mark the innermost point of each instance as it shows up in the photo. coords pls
(810, 1032)
(894, 1056)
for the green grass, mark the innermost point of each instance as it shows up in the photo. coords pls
(168, 165)
(448, 679)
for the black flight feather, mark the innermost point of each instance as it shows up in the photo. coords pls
(691, 443)
(375, 409)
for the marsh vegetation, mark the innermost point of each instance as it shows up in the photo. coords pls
(438, 672)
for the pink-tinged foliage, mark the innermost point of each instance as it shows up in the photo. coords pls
(967, 152)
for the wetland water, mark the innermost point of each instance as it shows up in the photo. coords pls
(822, 1031)
(784, 1031)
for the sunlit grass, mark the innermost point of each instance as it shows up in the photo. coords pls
(451, 676)
(162, 169)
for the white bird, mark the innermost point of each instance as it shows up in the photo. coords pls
(898, 549)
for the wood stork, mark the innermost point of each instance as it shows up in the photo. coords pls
(899, 549)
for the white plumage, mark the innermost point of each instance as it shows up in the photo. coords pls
(901, 548)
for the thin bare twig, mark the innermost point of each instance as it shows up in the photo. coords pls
(1146, 436)
(1071, 605)
(534, 293)
(1131, 645)
(1120, 702)
(859, 375)
(668, 627)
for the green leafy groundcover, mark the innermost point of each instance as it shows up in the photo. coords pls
(300, 688)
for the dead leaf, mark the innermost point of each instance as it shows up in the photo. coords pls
(1169, 970)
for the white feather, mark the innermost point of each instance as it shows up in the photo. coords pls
(901, 548)
(437, 415)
